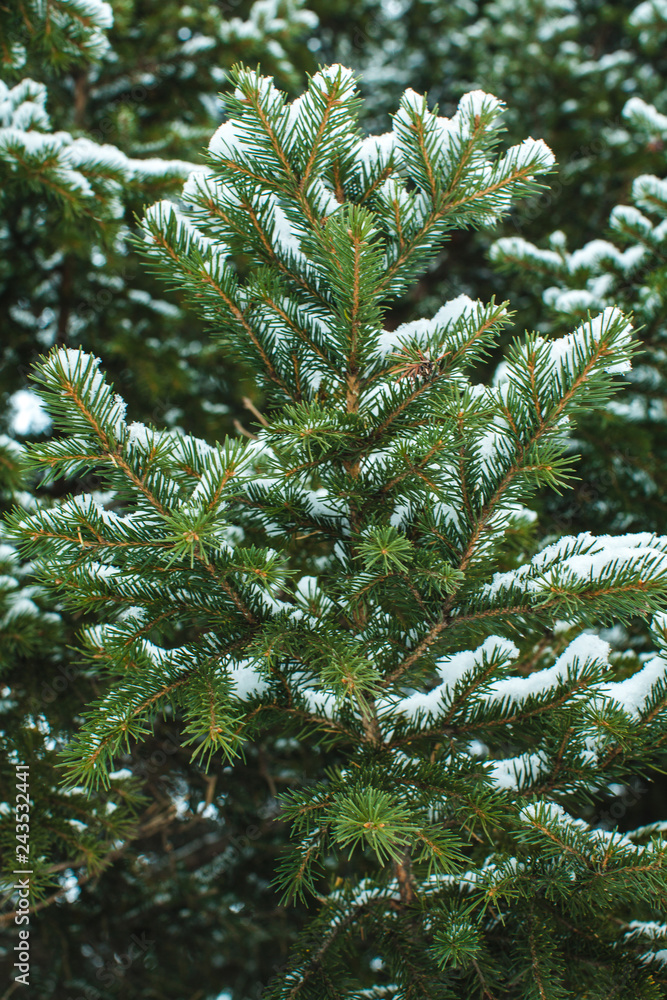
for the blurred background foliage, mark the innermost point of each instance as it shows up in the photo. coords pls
(161, 887)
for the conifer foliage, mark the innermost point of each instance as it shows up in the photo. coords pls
(625, 447)
(348, 576)
(101, 113)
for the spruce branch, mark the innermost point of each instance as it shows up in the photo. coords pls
(363, 575)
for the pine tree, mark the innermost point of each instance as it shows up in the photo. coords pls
(565, 71)
(100, 113)
(353, 578)
(624, 447)
(60, 202)
(99, 119)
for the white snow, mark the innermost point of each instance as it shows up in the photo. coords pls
(585, 557)
(98, 12)
(321, 506)
(374, 152)
(517, 248)
(412, 100)
(645, 116)
(18, 604)
(590, 255)
(445, 134)
(633, 692)
(198, 43)
(648, 12)
(460, 308)
(584, 650)
(226, 142)
(628, 217)
(24, 106)
(294, 115)
(650, 830)
(70, 885)
(530, 152)
(477, 102)
(248, 681)
(322, 703)
(563, 350)
(517, 772)
(658, 625)
(162, 213)
(554, 26)
(648, 189)
(322, 198)
(556, 815)
(284, 236)
(452, 669)
(203, 185)
(8, 554)
(490, 446)
(72, 364)
(336, 73)
(650, 929)
(27, 413)
(570, 300)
